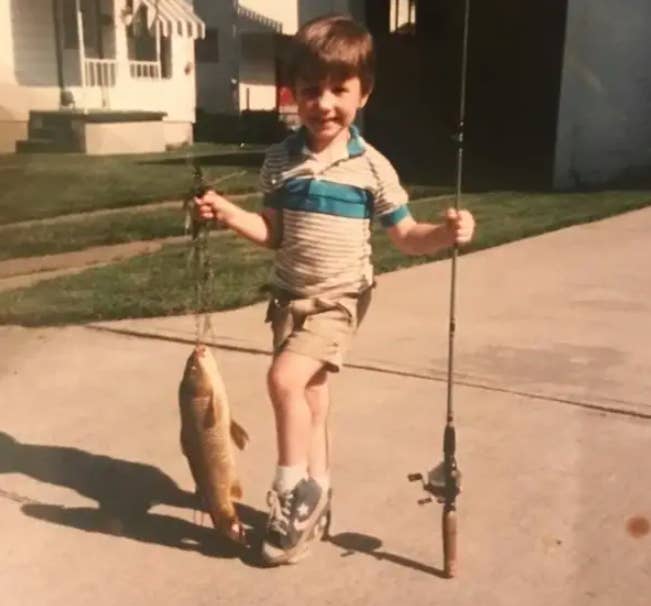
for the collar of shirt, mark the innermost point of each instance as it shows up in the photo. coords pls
(353, 147)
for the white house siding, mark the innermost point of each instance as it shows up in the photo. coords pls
(28, 75)
(32, 27)
(604, 120)
(28, 64)
(26, 40)
(246, 47)
(175, 96)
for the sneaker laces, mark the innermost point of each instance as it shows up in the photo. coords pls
(281, 510)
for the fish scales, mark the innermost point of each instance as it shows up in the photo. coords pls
(207, 433)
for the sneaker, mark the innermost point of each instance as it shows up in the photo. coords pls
(295, 520)
(322, 528)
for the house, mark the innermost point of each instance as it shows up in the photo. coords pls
(558, 95)
(97, 76)
(559, 92)
(238, 63)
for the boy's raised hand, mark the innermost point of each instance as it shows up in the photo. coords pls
(460, 225)
(209, 207)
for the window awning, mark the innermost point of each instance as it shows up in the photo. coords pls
(176, 17)
(258, 19)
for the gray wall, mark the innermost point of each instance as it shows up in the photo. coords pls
(214, 89)
(604, 121)
(309, 9)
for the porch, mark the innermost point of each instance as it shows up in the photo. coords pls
(94, 132)
(117, 54)
(114, 60)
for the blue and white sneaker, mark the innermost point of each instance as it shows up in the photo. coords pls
(296, 519)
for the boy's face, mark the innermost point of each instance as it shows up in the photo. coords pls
(327, 108)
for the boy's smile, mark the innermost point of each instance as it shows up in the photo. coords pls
(327, 108)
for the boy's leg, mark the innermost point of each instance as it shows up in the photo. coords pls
(295, 509)
(317, 395)
(318, 462)
(287, 381)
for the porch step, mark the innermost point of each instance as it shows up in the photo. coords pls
(44, 146)
(49, 132)
(58, 127)
(65, 131)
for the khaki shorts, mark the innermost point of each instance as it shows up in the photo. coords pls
(319, 327)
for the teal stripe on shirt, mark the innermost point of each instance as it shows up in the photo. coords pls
(394, 217)
(312, 195)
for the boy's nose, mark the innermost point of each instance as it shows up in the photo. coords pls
(326, 100)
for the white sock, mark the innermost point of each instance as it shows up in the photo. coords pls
(287, 476)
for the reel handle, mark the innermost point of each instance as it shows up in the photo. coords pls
(449, 527)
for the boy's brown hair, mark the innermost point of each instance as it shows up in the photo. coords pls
(332, 47)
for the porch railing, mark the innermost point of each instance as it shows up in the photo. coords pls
(147, 70)
(100, 72)
(103, 72)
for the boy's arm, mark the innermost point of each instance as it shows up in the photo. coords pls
(257, 227)
(406, 234)
(413, 238)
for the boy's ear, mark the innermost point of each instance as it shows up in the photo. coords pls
(364, 99)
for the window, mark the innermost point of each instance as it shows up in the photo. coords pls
(166, 57)
(207, 50)
(142, 48)
(403, 17)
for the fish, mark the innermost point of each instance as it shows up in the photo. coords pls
(207, 436)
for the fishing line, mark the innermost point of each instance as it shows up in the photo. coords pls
(202, 270)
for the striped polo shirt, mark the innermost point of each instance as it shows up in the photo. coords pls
(326, 202)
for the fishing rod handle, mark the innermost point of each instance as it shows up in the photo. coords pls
(449, 527)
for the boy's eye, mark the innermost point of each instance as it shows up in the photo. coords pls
(310, 91)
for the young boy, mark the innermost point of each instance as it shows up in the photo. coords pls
(322, 185)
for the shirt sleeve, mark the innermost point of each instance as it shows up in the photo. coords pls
(389, 197)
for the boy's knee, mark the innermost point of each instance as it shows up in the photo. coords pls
(282, 384)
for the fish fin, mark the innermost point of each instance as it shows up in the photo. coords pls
(236, 489)
(210, 417)
(239, 435)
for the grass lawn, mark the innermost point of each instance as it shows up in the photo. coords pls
(118, 227)
(115, 228)
(36, 186)
(160, 284)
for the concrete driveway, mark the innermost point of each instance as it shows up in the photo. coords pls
(553, 401)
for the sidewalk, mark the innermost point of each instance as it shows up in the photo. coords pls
(553, 419)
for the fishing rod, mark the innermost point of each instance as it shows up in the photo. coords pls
(444, 481)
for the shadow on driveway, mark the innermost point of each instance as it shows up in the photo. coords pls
(353, 542)
(124, 491)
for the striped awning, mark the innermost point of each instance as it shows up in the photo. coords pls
(175, 17)
(259, 19)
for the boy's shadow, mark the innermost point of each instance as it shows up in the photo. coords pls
(125, 491)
